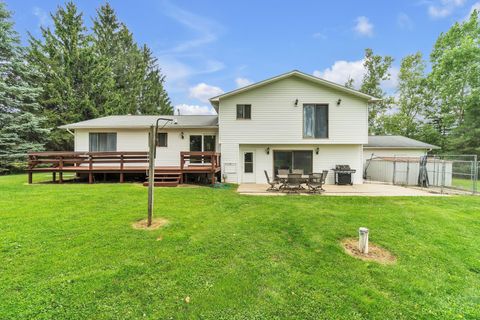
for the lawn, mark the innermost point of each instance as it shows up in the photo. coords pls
(69, 252)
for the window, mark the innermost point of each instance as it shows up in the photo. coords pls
(290, 160)
(195, 143)
(208, 143)
(102, 141)
(315, 121)
(162, 139)
(202, 143)
(244, 111)
(248, 162)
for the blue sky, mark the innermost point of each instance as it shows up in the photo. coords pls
(208, 47)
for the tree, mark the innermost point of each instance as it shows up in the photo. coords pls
(138, 80)
(455, 81)
(376, 71)
(20, 130)
(75, 85)
(413, 98)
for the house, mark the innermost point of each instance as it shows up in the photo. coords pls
(293, 121)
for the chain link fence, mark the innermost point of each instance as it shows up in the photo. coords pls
(455, 174)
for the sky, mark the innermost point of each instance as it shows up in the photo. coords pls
(209, 47)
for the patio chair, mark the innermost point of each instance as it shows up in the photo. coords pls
(315, 182)
(272, 183)
(324, 178)
(298, 171)
(294, 182)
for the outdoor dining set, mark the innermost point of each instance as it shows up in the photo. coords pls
(297, 181)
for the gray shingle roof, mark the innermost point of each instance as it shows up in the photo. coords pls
(138, 122)
(397, 142)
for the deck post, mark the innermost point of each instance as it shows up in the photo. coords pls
(121, 169)
(90, 167)
(60, 177)
(54, 177)
(213, 179)
(30, 177)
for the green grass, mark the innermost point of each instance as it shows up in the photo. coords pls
(69, 252)
(461, 183)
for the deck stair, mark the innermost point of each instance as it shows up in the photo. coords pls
(165, 179)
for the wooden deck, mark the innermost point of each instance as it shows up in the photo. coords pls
(91, 163)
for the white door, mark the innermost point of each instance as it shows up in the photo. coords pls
(248, 167)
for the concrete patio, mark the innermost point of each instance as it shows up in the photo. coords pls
(366, 189)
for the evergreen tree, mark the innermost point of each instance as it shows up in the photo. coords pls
(76, 85)
(138, 80)
(20, 130)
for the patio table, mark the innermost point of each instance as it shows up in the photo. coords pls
(283, 179)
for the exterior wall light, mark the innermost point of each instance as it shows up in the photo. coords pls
(317, 150)
(296, 102)
(267, 150)
(182, 135)
(339, 101)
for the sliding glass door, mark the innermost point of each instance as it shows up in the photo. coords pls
(289, 160)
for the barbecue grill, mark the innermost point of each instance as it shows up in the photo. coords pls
(343, 174)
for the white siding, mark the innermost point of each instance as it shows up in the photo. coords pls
(277, 123)
(137, 140)
(276, 120)
(326, 159)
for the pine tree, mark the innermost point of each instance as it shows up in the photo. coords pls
(20, 130)
(138, 80)
(76, 85)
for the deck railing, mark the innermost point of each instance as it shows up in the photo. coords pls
(96, 162)
(201, 159)
(60, 161)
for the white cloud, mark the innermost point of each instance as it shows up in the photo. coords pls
(242, 82)
(475, 6)
(203, 92)
(444, 8)
(42, 16)
(343, 70)
(319, 35)
(404, 21)
(363, 26)
(185, 109)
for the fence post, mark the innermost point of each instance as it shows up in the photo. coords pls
(443, 174)
(394, 169)
(408, 171)
(475, 174)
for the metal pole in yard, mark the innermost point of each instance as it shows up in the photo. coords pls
(151, 173)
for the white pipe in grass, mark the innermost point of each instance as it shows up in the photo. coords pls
(363, 240)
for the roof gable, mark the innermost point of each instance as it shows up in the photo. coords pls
(215, 101)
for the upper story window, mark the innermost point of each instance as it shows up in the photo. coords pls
(315, 121)
(244, 111)
(102, 141)
(162, 139)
